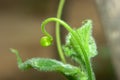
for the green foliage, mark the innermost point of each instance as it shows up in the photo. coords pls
(80, 42)
(45, 64)
(80, 47)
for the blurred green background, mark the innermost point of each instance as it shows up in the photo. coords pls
(20, 28)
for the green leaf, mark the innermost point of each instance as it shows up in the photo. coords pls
(45, 64)
(85, 33)
(82, 41)
(81, 46)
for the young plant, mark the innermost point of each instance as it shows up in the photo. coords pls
(80, 47)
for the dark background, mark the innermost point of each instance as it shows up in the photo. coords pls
(20, 28)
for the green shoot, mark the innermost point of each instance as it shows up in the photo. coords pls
(80, 47)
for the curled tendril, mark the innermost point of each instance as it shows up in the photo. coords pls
(46, 41)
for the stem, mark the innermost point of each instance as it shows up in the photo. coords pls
(45, 22)
(88, 67)
(58, 39)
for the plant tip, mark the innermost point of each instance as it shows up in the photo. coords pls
(45, 41)
(13, 50)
